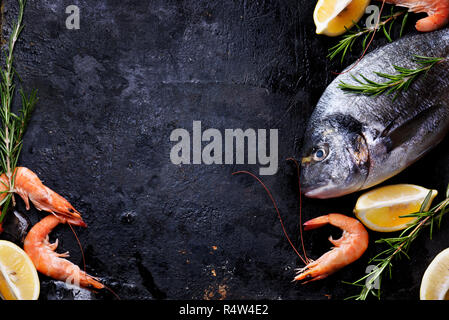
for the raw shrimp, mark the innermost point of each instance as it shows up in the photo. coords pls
(50, 263)
(438, 11)
(352, 244)
(348, 248)
(29, 187)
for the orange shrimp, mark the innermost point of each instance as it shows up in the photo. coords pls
(29, 187)
(50, 263)
(348, 248)
(437, 10)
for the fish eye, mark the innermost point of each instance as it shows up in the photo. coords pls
(320, 153)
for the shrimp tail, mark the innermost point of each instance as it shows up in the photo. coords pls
(432, 22)
(316, 223)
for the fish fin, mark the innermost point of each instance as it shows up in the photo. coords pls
(398, 133)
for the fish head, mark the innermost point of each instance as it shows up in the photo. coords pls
(335, 158)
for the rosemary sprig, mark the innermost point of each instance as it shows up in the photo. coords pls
(395, 83)
(347, 42)
(399, 246)
(13, 125)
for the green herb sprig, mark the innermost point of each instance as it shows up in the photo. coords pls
(395, 83)
(399, 246)
(13, 126)
(348, 40)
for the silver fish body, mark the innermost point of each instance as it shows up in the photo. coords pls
(353, 142)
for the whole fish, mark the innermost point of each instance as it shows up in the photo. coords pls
(353, 142)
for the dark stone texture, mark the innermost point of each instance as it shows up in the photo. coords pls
(110, 95)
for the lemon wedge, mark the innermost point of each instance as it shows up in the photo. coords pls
(18, 276)
(380, 209)
(334, 17)
(435, 282)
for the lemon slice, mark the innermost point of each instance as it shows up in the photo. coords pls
(435, 282)
(18, 276)
(333, 17)
(380, 209)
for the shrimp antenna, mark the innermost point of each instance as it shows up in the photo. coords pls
(104, 287)
(84, 262)
(300, 206)
(112, 291)
(277, 210)
(369, 43)
(80, 246)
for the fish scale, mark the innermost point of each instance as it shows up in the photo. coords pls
(368, 139)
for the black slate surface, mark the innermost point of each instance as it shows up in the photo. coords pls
(110, 95)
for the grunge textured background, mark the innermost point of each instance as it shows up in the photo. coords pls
(110, 95)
